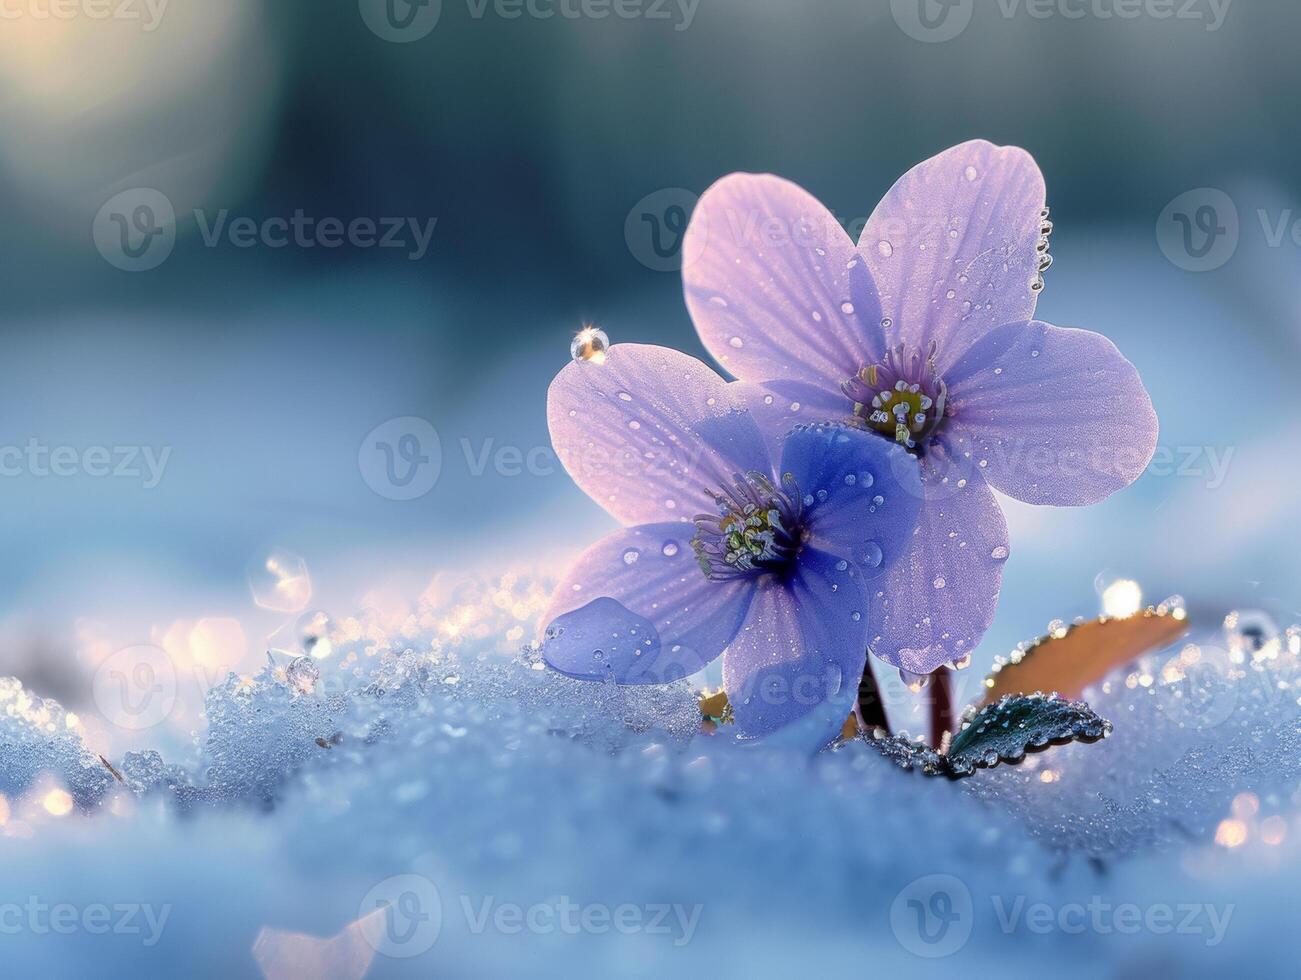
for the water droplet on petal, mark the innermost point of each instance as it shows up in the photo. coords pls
(589, 344)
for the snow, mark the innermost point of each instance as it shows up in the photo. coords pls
(524, 824)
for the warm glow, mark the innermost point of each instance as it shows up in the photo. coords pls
(1231, 833)
(1245, 806)
(1273, 831)
(57, 802)
(1122, 598)
(218, 643)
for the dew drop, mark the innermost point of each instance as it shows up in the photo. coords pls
(670, 549)
(885, 248)
(630, 556)
(971, 173)
(737, 342)
(589, 344)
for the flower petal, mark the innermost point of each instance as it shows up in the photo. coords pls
(801, 650)
(861, 493)
(776, 287)
(1052, 415)
(636, 607)
(953, 246)
(934, 604)
(645, 432)
(779, 406)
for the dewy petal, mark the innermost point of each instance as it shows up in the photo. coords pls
(933, 605)
(636, 608)
(861, 493)
(647, 431)
(1051, 415)
(775, 285)
(779, 406)
(800, 651)
(953, 247)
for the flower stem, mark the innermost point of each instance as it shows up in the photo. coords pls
(869, 708)
(941, 691)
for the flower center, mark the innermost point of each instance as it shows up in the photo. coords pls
(757, 529)
(902, 396)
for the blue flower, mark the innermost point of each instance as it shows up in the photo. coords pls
(725, 548)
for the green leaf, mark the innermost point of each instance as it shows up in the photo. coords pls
(1020, 723)
(1002, 732)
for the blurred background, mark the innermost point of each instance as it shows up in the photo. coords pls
(241, 239)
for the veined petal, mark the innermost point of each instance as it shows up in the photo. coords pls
(777, 290)
(861, 493)
(933, 605)
(647, 431)
(779, 406)
(954, 247)
(800, 651)
(636, 607)
(1051, 415)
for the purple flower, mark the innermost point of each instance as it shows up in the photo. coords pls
(761, 547)
(925, 334)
